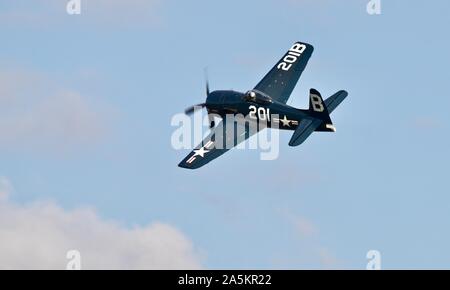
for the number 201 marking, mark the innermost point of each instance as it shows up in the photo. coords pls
(263, 113)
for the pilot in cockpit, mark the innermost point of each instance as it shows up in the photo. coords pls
(252, 96)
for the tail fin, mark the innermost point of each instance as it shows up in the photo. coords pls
(319, 110)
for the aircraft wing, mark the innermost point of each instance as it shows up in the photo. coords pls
(280, 81)
(225, 136)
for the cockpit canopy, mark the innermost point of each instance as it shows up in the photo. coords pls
(256, 97)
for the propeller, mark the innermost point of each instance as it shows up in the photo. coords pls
(191, 109)
(206, 81)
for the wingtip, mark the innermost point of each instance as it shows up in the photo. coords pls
(304, 42)
(311, 47)
(185, 165)
(344, 92)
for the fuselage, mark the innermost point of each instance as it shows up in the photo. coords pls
(255, 106)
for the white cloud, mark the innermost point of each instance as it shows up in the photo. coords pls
(426, 123)
(311, 251)
(303, 226)
(327, 259)
(5, 188)
(36, 112)
(38, 236)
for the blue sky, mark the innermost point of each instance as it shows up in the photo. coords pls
(88, 101)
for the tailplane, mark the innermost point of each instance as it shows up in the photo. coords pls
(320, 111)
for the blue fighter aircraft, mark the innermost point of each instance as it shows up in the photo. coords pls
(265, 101)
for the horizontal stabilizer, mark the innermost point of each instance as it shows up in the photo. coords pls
(303, 131)
(332, 102)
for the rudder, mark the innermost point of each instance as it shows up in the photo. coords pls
(319, 110)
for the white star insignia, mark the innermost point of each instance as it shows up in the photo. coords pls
(285, 121)
(200, 152)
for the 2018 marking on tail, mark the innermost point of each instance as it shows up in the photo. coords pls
(294, 52)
